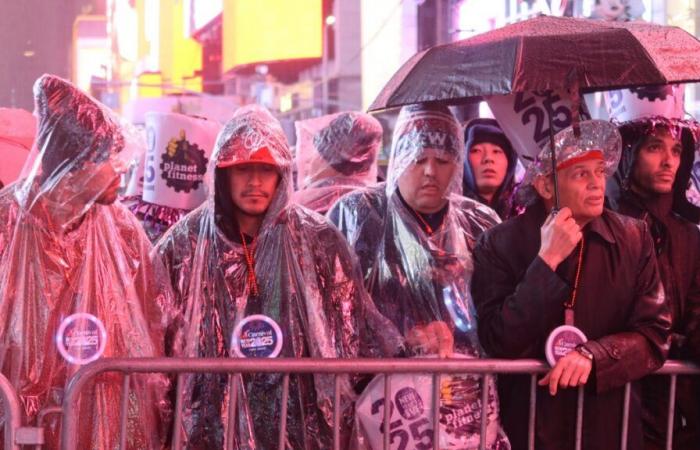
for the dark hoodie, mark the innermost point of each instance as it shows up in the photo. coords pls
(488, 130)
(671, 219)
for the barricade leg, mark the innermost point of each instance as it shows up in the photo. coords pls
(283, 422)
(336, 412)
(177, 419)
(436, 411)
(124, 412)
(671, 412)
(387, 410)
(625, 416)
(531, 415)
(486, 381)
(579, 417)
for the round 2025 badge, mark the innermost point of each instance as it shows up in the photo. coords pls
(257, 336)
(81, 338)
(562, 340)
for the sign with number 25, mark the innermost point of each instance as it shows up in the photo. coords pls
(524, 118)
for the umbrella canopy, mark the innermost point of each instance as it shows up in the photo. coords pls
(546, 53)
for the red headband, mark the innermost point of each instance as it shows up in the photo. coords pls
(588, 156)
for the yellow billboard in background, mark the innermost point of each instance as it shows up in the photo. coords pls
(150, 85)
(271, 30)
(179, 56)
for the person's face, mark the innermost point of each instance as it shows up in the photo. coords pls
(489, 165)
(425, 181)
(96, 182)
(111, 192)
(581, 188)
(657, 163)
(253, 186)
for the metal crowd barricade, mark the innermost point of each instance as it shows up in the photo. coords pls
(14, 434)
(12, 413)
(485, 367)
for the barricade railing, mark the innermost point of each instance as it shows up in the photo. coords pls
(15, 434)
(12, 413)
(487, 368)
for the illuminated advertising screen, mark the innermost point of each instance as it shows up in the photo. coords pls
(91, 50)
(199, 13)
(271, 30)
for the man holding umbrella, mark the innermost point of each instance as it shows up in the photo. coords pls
(584, 266)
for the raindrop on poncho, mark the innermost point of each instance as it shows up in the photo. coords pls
(335, 154)
(416, 277)
(308, 282)
(67, 247)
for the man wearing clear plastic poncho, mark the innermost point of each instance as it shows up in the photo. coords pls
(66, 247)
(414, 236)
(335, 154)
(248, 251)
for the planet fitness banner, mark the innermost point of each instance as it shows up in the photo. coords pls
(178, 152)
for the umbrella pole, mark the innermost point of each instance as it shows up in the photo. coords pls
(554, 165)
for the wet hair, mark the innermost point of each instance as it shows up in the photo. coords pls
(634, 135)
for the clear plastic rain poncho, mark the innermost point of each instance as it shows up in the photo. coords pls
(415, 277)
(335, 154)
(66, 248)
(308, 283)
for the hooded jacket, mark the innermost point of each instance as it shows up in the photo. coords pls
(62, 253)
(308, 283)
(677, 245)
(488, 130)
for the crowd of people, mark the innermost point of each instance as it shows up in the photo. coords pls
(454, 255)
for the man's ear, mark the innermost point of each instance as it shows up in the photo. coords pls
(543, 186)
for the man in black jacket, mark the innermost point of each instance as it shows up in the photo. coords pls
(651, 180)
(586, 262)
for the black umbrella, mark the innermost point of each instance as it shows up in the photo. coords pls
(546, 54)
